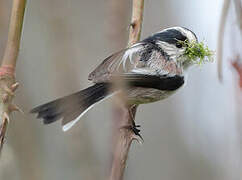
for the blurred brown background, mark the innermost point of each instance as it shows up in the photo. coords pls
(192, 135)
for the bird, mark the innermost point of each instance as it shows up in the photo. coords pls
(153, 69)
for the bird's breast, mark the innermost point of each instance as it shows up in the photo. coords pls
(141, 95)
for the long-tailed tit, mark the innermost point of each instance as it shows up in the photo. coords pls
(152, 69)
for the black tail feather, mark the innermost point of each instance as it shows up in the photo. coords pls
(70, 107)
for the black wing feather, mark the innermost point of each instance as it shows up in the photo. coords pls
(164, 83)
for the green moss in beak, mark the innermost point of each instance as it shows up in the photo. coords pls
(198, 53)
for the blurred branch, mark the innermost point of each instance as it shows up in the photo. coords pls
(221, 38)
(124, 114)
(117, 29)
(238, 11)
(236, 63)
(7, 69)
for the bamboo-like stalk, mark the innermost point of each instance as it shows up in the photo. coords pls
(125, 114)
(7, 69)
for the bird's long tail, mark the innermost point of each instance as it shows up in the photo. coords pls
(71, 108)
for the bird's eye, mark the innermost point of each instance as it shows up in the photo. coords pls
(178, 45)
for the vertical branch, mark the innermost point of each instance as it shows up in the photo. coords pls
(238, 11)
(136, 21)
(221, 37)
(117, 17)
(7, 69)
(14, 34)
(125, 114)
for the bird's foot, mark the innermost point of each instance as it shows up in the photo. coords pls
(135, 129)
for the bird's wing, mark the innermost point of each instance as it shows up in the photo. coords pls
(141, 58)
(163, 82)
(120, 62)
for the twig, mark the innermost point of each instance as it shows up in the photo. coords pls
(136, 22)
(125, 114)
(221, 38)
(238, 12)
(7, 69)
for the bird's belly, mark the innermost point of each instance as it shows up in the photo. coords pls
(146, 95)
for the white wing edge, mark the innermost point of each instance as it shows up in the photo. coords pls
(127, 54)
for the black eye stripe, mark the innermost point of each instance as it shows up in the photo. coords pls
(170, 36)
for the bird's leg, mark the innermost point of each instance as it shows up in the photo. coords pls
(133, 126)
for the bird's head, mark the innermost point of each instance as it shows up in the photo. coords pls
(181, 45)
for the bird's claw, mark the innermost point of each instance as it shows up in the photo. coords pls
(134, 129)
